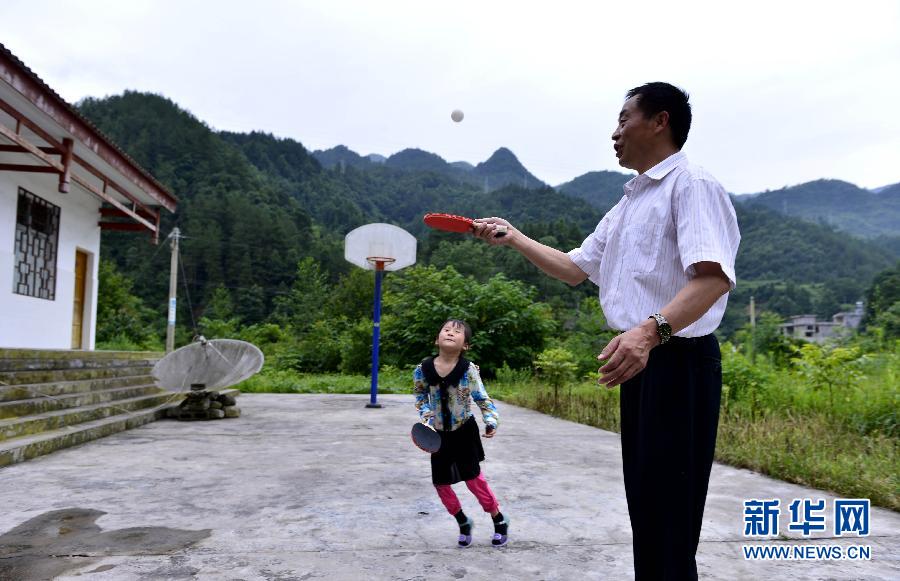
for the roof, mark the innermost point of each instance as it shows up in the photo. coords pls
(87, 126)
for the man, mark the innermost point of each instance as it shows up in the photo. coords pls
(663, 258)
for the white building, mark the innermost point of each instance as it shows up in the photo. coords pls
(807, 328)
(61, 182)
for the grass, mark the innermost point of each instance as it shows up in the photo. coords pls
(274, 381)
(810, 449)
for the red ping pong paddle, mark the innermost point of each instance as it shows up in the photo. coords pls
(452, 223)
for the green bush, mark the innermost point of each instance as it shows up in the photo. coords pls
(509, 325)
(122, 317)
(556, 366)
(356, 347)
(743, 383)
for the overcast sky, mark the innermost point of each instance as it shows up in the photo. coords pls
(783, 91)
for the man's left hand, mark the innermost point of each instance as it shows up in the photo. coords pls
(627, 354)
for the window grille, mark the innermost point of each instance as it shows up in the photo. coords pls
(37, 239)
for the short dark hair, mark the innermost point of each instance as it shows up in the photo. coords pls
(467, 330)
(657, 97)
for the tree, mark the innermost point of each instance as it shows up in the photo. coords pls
(881, 297)
(121, 315)
(305, 302)
(509, 325)
(557, 366)
(829, 368)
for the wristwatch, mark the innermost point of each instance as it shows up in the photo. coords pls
(663, 328)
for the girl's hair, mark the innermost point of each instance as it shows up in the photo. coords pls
(467, 330)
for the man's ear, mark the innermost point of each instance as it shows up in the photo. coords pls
(661, 121)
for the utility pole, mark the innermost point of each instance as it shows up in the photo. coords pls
(752, 330)
(173, 285)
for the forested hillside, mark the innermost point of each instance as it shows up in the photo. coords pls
(252, 206)
(840, 204)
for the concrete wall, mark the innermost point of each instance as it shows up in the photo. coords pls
(39, 323)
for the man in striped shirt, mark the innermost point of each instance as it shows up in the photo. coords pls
(663, 259)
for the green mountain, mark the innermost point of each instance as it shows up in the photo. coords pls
(234, 216)
(418, 160)
(840, 204)
(341, 155)
(601, 189)
(503, 168)
(889, 188)
(252, 205)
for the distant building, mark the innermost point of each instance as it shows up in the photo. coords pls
(807, 328)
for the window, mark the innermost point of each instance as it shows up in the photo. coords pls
(37, 238)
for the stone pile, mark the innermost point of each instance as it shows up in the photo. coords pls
(201, 404)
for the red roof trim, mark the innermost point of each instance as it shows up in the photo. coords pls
(33, 88)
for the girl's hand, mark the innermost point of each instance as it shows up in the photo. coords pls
(489, 431)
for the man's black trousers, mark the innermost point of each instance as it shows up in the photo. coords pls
(670, 412)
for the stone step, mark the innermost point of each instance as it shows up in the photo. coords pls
(74, 354)
(25, 448)
(18, 365)
(40, 405)
(30, 446)
(10, 393)
(8, 378)
(17, 427)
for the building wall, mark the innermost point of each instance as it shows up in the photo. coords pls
(39, 323)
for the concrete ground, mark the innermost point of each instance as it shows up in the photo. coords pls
(318, 487)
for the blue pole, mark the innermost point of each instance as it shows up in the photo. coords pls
(376, 335)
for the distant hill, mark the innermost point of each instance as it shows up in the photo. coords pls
(840, 204)
(285, 157)
(340, 154)
(501, 169)
(243, 231)
(418, 160)
(601, 189)
(891, 187)
(504, 168)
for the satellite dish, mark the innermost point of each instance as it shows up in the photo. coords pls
(215, 363)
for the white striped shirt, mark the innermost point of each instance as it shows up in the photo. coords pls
(643, 251)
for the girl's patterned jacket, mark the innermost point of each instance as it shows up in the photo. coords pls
(463, 383)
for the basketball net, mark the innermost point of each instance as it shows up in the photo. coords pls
(380, 261)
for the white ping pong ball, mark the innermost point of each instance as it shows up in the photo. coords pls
(457, 115)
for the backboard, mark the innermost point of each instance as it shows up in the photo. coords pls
(391, 245)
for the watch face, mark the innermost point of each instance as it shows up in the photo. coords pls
(663, 328)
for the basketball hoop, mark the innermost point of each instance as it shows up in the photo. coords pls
(373, 244)
(380, 261)
(379, 247)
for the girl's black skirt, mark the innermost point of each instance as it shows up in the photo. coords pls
(459, 456)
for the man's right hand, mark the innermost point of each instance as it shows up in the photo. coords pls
(487, 229)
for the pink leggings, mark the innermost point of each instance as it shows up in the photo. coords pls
(479, 488)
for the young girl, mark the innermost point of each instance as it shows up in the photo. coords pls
(444, 386)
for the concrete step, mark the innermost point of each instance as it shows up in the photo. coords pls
(60, 354)
(28, 425)
(36, 359)
(8, 378)
(25, 448)
(12, 365)
(39, 405)
(27, 391)
(30, 446)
